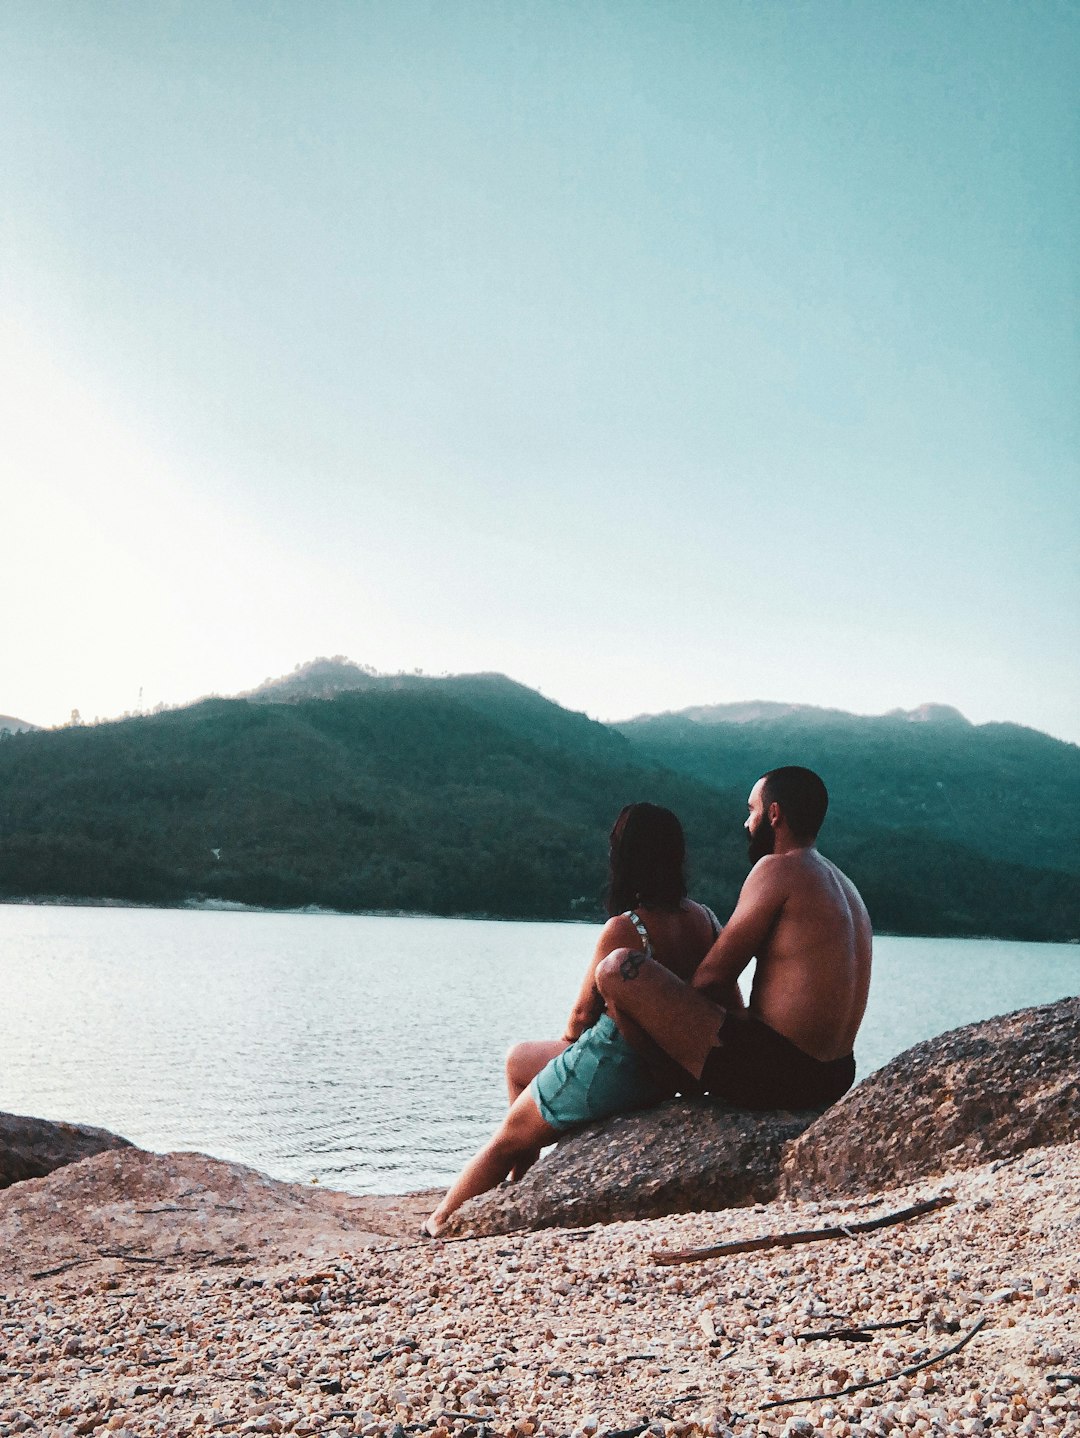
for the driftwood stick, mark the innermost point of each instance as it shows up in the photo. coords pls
(694, 1397)
(877, 1382)
(858, 1332)
(130, 1257)
(846, 1335)
(808, 1235)
(60, 1268)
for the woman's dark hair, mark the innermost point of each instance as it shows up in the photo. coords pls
(648, 852)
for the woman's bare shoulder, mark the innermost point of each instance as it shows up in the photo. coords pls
(619, 933)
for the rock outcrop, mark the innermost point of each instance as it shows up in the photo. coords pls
(685, 1155)
(127, 1208)
(986, 1091)
(33, 1147)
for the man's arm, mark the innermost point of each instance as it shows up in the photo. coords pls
(745, 933)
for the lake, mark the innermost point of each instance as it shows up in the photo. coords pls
(364, 1051)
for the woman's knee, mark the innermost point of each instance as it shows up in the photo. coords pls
(515, 1060)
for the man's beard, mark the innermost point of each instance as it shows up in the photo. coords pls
(760, 841)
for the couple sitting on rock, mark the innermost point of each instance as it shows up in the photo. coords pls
(660, 1011)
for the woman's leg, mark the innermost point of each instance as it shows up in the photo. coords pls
(521, 1133)
(525, 1060)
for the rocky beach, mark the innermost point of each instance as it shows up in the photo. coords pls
(176, 1294)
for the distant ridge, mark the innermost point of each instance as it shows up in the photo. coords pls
(16, 726)
(754, 711)
(930, 714)
(322, 678)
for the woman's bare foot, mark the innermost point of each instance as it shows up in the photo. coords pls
(429, 1228)
(520, 1136)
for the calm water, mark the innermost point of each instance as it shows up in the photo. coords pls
(365, 1051)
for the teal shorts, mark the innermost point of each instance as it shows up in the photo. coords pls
(598, 1075)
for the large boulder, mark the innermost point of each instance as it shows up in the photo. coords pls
(684, 1155)
(33, 1147)
(986, 1091)
(126, 1208)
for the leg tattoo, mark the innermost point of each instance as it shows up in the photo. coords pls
(631, 965)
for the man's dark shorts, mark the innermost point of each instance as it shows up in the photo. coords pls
(753, 1066)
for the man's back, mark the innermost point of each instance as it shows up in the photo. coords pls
(813, 970)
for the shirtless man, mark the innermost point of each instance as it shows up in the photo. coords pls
(808, 928)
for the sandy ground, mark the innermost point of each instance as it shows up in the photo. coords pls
(176, 1295)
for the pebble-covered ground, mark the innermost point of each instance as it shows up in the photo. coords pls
(563, 1332)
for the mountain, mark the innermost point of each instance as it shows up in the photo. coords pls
(465, 795)
(521, 710)
(475, 794)
(10, 725)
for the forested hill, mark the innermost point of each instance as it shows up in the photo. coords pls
(428, 799)
(475, 795)
(948, 827)
(999, 789)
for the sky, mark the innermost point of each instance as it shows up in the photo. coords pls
(654, 354)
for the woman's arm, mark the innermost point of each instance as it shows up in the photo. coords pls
(617, 933)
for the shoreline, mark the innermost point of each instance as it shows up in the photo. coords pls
(198, 1297)
(235, 906)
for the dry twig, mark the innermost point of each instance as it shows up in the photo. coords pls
(129, 1257)
(61, 1268)
(877, 1382)
(808, 1235)
(858, 1332)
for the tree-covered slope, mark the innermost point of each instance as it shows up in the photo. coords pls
(476, 795)
(1001, 790)
(383, 799)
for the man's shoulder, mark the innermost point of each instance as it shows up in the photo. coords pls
(770, 873)
(799, 869)
(773, 867)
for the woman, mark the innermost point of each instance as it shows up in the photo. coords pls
(593, 1071)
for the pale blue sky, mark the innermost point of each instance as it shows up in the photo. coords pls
(653, 354)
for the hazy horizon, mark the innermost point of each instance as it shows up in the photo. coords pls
(610, 719)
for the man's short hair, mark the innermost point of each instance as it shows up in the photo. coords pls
(802, 796)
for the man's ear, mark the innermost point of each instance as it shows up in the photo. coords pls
(774, 815)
